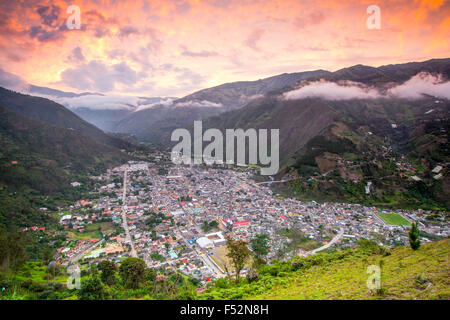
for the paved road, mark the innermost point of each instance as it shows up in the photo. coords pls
(329, 244)
(82, 254)
(207, 260)
(278, 181)
(128, 238)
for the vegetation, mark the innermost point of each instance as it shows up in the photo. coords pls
(132, 271)
(260, 246)
(208, 226)
(406, 274)
(414, 240)
(239, 254)
(395, 219)
(108, 270)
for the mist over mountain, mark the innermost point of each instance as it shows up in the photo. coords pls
(102, 110)
(155, 124)
(354, 126)
(359, 117)
(50, 112)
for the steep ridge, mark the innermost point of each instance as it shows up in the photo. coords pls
(50, 112)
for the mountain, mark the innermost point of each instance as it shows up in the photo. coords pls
(336, 136)
(37, 90)
(390, 73)
(45, 148)
(50, 112)
(235, 95)
(105, 119)
(156, 123)
(106, 112)
(46, 157)
(103, 111)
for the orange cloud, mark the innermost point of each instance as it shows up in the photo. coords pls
(175, 47)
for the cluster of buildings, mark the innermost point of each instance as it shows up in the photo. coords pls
(180, 219)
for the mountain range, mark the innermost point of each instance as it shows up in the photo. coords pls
(340, 131)
(360, 134)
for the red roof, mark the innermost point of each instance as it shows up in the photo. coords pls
(241, 223)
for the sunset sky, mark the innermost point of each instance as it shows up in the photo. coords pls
(175, 47)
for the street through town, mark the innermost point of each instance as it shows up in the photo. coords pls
(128, 238)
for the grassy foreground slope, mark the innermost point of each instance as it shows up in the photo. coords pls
(405, 275)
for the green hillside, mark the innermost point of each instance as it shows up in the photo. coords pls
(405, 275)
(45, 157)
(38, 160)
(52, 113)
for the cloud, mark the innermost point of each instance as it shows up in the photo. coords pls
(76, 55)
(166, 103)
(416, 87)
(127, 30)
(422, 83)
(203, 53)
(12, 82)
(182, 7)
(52, 24)
(198, 103)
(332, 91)
(100, 102)
(49, 15)
(97, 76)
(313, 18)
(253, 38)
(44, 35)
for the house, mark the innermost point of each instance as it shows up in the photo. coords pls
(65, 219)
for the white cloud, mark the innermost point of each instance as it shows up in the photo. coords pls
(418, 85)
(422, 83)
(98, 102)
(166, 102)
(332, 91)
(198, 103)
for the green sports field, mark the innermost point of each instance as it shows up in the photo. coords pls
(395, 219)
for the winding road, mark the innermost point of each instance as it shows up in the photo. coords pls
(326, 246)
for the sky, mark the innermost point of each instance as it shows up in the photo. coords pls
(175, 47)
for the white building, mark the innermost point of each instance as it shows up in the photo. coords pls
(204, 243)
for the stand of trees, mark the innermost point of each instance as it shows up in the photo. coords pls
(414, 240)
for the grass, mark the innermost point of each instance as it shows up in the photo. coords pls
(36, 272)
(394, 219)
(75, 235)
(93, 231)
(405, 275)
(104, 227)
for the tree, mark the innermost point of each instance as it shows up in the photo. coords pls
(92, 289)
(108, 270)
(150, 274)
(12, 251)
(239, 254)
(47, 256)
(260, 246)
(414, 240)
(132, 271)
